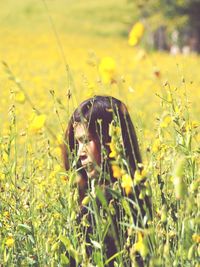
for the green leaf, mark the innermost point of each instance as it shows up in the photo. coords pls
(66, 242)
(126, 207)
(64, 259)
(31, 239)
(114, 256)
(101, 197)
(25, 228)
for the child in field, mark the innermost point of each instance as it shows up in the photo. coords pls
(102, 139)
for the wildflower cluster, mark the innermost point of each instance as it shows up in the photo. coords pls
(120, 167)
(117, 154)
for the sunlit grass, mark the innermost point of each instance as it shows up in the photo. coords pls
(38, 203)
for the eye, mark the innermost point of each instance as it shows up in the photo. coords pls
(84, 140)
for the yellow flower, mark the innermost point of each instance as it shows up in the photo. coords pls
(117, 130)
(37, 123)
(2, 176)
(5, 157)
(127, 183)
(133, 40)
(156, 146)
(39, 164)
(6, 214)
(40, 206)
(107, 69)
(20, 97)
(139, 176)
(165, 122)
(10, 242)
(117, 171)
(196, 238)
(56, 215)
(113, 153)
(136, 34)
(141, 246)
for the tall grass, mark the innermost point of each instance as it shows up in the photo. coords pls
(40, 202)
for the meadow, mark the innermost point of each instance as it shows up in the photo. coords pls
(53, 57)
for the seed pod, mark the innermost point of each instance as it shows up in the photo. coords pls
(111, 207)
(85, 201)
(191, 252)
(54, 246)
(179, 185)
(164, 214)
(148, 189)
(166, 249)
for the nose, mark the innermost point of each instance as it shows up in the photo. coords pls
(81, 150)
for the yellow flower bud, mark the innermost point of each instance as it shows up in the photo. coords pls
(85, 201)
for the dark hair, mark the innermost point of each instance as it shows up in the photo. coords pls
(97, 113)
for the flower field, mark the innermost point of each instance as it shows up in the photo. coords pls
(45, 74)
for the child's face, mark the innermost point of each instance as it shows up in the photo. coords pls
(88, 150)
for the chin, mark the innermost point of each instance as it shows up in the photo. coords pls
(92, 174)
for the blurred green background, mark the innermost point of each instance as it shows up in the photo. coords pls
(108, 19)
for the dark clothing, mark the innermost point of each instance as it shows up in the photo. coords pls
(112, 241)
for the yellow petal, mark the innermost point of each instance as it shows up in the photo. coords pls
(117, 172)
(37, 123)
(20, 97)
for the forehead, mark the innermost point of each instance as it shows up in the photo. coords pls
(80, 130)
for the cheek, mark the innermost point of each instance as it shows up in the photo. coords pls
(94, 151)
